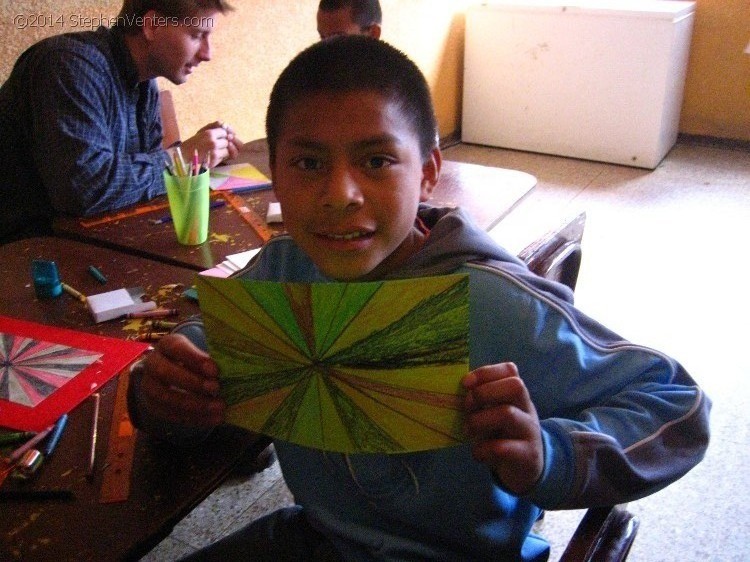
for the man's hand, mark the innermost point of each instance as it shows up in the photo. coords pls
(180, 384)
(503, 425)
(217, 140)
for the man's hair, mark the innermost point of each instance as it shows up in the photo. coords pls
(348, 64)
(133, 10)
(364, 12)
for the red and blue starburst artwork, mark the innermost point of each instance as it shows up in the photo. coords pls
(46, 371)
(31, 369)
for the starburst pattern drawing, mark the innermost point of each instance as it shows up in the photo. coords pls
(348, 367)
(31, 370)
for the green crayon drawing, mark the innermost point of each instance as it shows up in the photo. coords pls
(347, 367)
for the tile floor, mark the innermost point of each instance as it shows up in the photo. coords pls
(665, 264)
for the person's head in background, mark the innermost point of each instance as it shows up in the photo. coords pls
(349, 17)
(169, 38)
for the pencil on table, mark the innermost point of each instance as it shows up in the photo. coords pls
(94, 432)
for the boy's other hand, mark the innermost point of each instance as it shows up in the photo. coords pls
(503, 425)
(216, 139)
(180, 384)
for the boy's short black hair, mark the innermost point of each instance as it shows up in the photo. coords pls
(364, 12)
(354, 63)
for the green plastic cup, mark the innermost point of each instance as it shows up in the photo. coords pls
(188, 204)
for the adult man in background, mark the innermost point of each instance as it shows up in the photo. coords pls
(349, 17)
(80, 130)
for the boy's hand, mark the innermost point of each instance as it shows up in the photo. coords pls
(216, 139)
(503, 425)
(180, 384)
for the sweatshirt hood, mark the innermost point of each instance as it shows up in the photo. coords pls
(454, 239)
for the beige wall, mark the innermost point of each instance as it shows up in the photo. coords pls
(717, 92)
(254, 43)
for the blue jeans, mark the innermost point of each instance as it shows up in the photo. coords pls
(283, 535)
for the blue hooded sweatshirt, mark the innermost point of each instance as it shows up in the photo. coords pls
(619, 421)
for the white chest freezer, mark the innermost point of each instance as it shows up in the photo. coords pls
(599, 80)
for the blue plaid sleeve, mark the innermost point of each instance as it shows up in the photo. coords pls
(97, 140)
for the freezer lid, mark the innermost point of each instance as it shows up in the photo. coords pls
(654, 9)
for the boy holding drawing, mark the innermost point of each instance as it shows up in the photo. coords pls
(559, 412)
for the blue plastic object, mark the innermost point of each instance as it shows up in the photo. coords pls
(46, 279)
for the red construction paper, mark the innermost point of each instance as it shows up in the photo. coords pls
(115, 355)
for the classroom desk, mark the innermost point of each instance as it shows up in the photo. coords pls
(166, 483)
(487, 193)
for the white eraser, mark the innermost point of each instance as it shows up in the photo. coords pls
(114, 304)
(274, 213)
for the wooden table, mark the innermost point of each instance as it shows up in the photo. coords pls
(166, 483)
(487, 193)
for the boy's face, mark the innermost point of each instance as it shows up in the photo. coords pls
(349, 177)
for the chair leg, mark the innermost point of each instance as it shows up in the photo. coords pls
(605, 534)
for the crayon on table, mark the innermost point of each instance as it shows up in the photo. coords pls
(156, 313)
(73, 293)
(151, 336)
(98, 275)
(163, 325)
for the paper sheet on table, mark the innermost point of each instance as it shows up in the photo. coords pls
(348, 367)
(238, 176)
(232, 263)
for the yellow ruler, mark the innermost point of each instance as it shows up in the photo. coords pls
(121, 448)
(251, 217)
